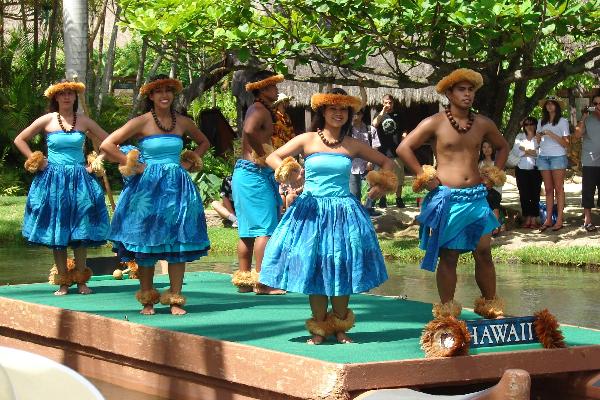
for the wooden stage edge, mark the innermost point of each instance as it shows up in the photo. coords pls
(184, 366)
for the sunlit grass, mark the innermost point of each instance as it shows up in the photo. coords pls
(224, 241)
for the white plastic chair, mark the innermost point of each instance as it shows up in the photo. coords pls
(25, 375)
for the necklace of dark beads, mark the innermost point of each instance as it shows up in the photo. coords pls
(455, 124)
(63, 127)
(329, 143)
(160, 126)
(268, 107)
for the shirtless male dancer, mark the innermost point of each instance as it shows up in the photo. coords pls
(455, 217)
(255, 191)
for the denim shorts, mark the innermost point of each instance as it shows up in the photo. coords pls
(545, 163)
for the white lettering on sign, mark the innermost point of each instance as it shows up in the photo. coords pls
(498, 334)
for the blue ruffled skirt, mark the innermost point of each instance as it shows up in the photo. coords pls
(160, 216)
(325, 246)
(65, 207)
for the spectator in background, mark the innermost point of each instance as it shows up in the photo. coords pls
(552, 133)
(225, 208)
(389, 128)
(529, 180)
(589, 129)
(367, 134)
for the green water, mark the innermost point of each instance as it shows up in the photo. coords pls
(572, 294)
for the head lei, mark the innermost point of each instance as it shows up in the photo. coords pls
(52, 90)
(459, 75)
(332, 99)
(169, 82)
(271, 80)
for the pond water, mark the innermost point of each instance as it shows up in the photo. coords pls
(571, 294)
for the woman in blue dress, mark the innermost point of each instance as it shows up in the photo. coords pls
(159, 214)
(325, 245)
(65, 204)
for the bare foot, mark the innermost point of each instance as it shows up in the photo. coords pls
(245, 289)
(148, 310)
(177, 310)
(343, 338)
(315, 339)
(82, 288)
(264, 289)
(64, 289)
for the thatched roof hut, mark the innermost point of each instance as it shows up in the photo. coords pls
(302, 90)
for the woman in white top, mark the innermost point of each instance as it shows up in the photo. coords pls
(552, 136)
(529, 180)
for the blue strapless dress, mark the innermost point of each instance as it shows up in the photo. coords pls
(325, 243)
(159, 214)
(65, 204)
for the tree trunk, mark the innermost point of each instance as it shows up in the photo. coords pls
(75, 36)
(55, 35)
(36, 39)
(3, 70)
(51, 26)
(110, 62)
(139, 77)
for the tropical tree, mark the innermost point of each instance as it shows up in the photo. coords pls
(523, 49)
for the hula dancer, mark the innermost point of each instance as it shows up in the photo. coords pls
(159, 215)
(455, 217)
(65, 204)
(255, 192)
(325, 245)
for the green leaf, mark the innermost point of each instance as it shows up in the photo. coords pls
(546, 30)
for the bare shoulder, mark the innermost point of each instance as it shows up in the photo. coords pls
(185, 121)
(46, 118)
(85, 120)
(305, 137)
(431, 123)
(487, 123)
(483, 119)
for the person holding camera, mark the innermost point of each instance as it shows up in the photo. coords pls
(589, 129)
(389, 129)
(551, 134)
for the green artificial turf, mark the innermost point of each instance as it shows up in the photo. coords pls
(386, 328)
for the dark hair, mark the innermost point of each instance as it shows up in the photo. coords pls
(318, 121)
(148, 103)
(259, 76)
(53, 104)
(529, 119)
(395, 104)
(482, 156)
(546, 114)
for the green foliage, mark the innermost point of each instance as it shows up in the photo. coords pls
(210, 178)
(21, 102)
(224, 101)
(10, 178)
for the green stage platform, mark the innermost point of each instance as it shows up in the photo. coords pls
(386, 328)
